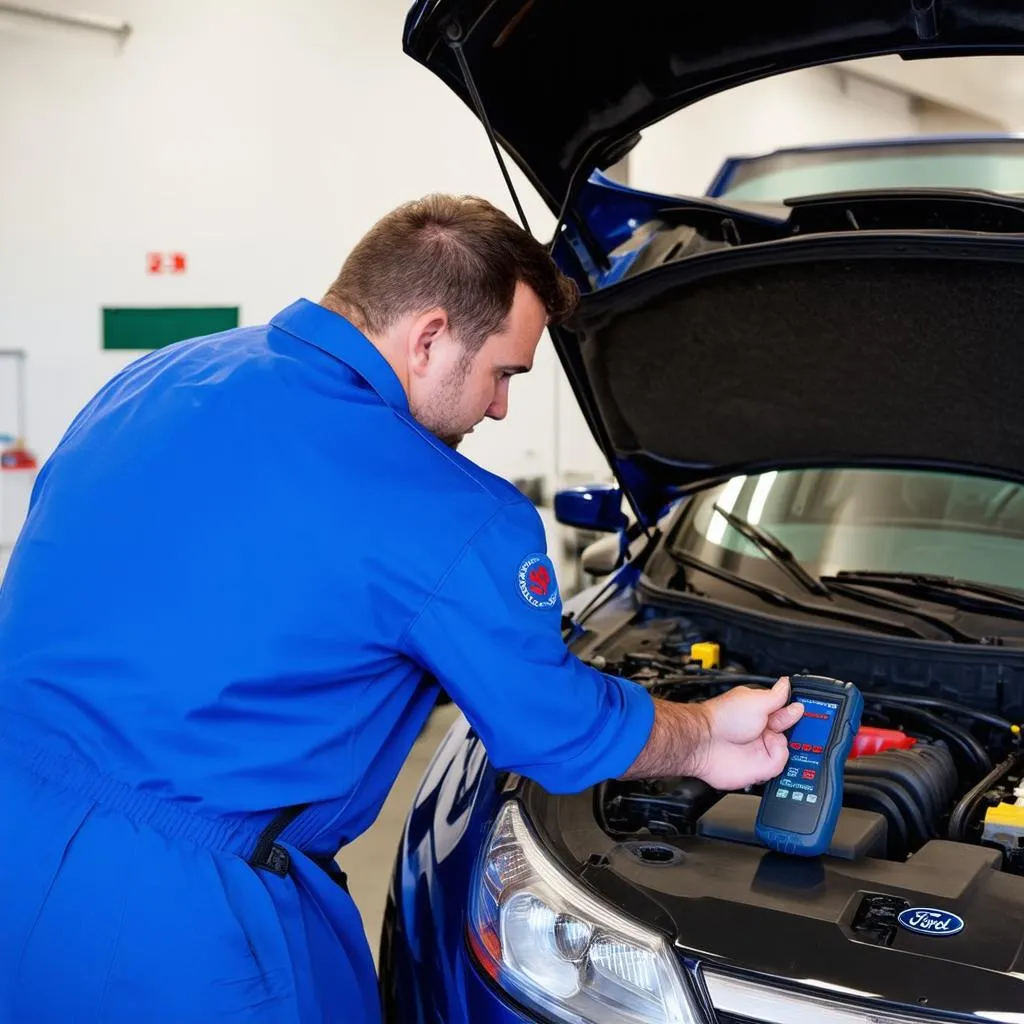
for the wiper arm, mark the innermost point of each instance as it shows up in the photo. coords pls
(773, 596)
(947, 583)
(960, 593)
(781, 555)
(854, 593)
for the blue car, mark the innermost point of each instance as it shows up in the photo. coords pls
(808, 387)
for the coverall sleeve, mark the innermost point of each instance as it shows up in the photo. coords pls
(491, 634)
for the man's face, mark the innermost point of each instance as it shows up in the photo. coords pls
(458, 391)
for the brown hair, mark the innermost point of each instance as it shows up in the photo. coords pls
(457, 252)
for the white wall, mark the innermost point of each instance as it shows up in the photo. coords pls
(262, 138)
(938, 119)
(990, 88)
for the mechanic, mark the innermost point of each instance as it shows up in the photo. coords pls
(246, 567)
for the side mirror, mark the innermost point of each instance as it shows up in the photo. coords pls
(591, 507)
(602, 557)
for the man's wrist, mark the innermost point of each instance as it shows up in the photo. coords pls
(679, 743)
(699, 726)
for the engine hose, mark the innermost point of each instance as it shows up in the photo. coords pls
(947, 705)
(684, 682)
(897, 699)
(968, 803)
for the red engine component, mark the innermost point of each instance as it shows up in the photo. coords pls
(873, 741)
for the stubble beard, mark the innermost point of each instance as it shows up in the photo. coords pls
(439, 413)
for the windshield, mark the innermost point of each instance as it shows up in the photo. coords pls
(877, 520)
(994, 165)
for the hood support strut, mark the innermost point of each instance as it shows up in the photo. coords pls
(453, 35)
(453, 32)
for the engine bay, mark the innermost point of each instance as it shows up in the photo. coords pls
(922, 768)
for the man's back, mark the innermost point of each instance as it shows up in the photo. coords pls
(206, 684)
(227, 517)
(242, 572)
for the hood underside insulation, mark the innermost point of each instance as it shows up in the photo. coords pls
(890, 354)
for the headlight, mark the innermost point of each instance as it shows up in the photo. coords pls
(556, 949)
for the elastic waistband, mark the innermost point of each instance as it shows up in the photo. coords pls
(43, 757)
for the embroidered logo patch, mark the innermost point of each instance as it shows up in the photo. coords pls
(536, 581)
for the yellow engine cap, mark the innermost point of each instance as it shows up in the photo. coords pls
(708, 654)
(1005, 814)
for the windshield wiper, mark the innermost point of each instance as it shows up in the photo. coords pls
(965, 595)
(852, 592)
(778, 597)
(781, 555)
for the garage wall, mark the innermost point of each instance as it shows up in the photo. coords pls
(261, 139)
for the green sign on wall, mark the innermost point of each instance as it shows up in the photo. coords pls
(140, 327)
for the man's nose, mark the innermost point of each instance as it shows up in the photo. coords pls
(498, 409)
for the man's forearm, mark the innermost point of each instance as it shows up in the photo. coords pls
(677, 744)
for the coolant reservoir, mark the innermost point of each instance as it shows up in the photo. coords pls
(870, 740)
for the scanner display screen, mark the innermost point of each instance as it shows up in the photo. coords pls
(800, 808)
(796, 800)
(807, 744)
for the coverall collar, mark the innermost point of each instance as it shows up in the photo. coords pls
(332, 333)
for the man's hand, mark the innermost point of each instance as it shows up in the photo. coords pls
(730, 742)
(745, 742)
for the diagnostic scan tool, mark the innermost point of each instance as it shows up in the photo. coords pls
(800, 808)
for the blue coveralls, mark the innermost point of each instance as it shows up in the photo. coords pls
(243, 569)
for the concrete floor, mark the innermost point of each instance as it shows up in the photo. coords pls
(369, 860)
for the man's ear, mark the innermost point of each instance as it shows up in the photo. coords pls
(424, 332)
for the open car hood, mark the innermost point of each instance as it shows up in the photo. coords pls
(568, 84)
(890, 344)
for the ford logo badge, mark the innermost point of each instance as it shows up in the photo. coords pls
(928, 921)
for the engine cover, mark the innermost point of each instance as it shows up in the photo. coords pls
(858, 834)
(734, 903)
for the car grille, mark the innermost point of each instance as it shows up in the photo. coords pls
(739, 1001)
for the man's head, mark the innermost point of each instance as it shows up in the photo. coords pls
(456, 296)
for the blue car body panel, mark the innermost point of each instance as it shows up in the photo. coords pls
(443, 834)
(427, 970)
